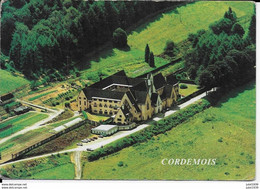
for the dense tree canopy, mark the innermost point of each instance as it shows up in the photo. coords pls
(221, 56)
(43, 36)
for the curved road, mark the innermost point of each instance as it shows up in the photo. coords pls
(106, 140)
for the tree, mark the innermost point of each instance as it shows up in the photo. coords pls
(151, 60)
(238, 29)
(169, 48)
(230, 15)
(147, 53)
(224, 25)
(206, 79)
(119, 38)
(252, 30)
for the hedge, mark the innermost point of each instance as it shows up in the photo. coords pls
(157, 128)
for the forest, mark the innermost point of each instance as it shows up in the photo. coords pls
(224, 55)
(42, 38)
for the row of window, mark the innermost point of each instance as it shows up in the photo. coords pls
(100, 100)
(85, 103)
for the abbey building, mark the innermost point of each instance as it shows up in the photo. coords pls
(127, 99)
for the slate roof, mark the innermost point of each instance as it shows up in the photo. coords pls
(171, 79)
(6, 97)
(140, 96)
(90, 92)
(132, 100)
(117, 78)
(142, 86)
(168, 90)
(154, 98)
(126, 112)
(163, 95)
(159, 81)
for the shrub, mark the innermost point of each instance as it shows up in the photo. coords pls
(220, 139)
(183, 86)
(119, 38)
(120, 164)
(157, 128)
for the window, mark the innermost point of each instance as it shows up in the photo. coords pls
(79, 97)
(110, 101)
(100, 112)
(100, 105)
(120, 115)
(95, 111)
(105, 100)
(95, 104)
(110, 106)
(147, 106)
(119, 119)
(105, 106)
(85, 98)
(85, 103)
(110, 112)
(79, 102)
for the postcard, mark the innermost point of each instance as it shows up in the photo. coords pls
(128, 90)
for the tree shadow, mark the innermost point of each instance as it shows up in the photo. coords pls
(233, 93)
(126, 48)
(96, 55)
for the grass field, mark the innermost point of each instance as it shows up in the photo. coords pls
(8, 82)
(177, 24)
(174, 25)
(108, 63)
(225, 132)
(20, 122)
(189, 90)
(52, 167)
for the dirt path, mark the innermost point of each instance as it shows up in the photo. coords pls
(77, 163)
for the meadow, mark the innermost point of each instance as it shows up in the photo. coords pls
(173, 25)
(52, 167)
(9, 82)
(225, 132)
(176, 25)
(20, 122)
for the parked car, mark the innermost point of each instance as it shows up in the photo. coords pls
(79, 144)
(95, 138)
(85, 141)
(100, 136)
(89, 149)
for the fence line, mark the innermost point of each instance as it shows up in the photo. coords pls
(54, 136)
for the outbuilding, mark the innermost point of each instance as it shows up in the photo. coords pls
(105, 130)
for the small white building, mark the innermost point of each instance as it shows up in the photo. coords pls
(105, 130)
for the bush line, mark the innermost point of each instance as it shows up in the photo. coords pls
(157, 128)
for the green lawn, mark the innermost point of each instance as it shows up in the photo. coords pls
(131, 61)
(225, 132)
(177, 24)
(41, 95)
(52, 167)
(65, 171)
(8, 82)
(96, 118)
(174, 25)
(20, 122)
(189, 90)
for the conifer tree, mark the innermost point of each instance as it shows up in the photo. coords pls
(147, 53)
(151, 60)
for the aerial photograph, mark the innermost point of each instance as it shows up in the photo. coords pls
(128, 90)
